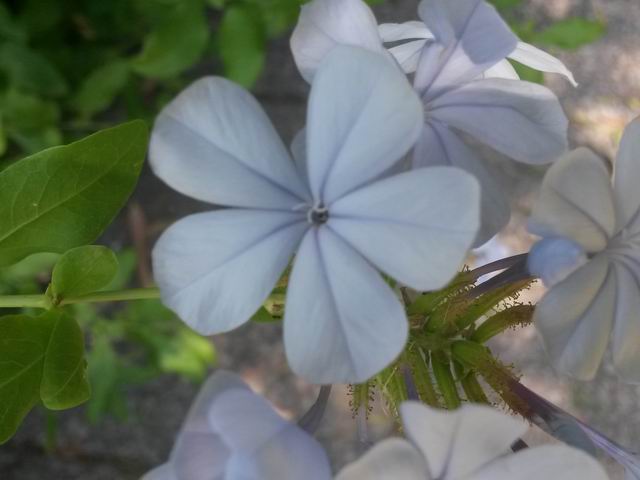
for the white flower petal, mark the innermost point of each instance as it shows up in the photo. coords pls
(439, 145)
(459, 442)
(540, 60)
(408, 54)
(214, 142)
(473, 37)
(325, 24)
(502, 69)
(163, 472)
(575, 318)
(396, 32)
(215, 269)
(557, 462)
(417, 226)
(199, 453)
(520, 119)
(576, 201)
(626, 331)
(553, 259)
(363, 117)
(265, 446)
(627, 173)
(393, 458)
(342, 322)
(299, 151)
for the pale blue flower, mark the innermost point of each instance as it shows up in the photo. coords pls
(596, 298)
(471, 443)
(461, 46)
(232, 433)
(339, 210)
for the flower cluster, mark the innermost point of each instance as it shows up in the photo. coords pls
(232, 433)
(379, 199)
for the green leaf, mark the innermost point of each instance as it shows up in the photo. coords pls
(66, 196)
(241, 40)
(30, 71)
(83, 270)
(571, 34)
(176, 44)
(64, 377)
(98, 91)
(42, 358)
(22, 347)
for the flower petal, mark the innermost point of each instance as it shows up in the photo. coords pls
(342, 322)
(558, 462)
(626, 175)
(397, 32)
(540, 60)
(575, 318)
(473, 37)
(163, 472)
(439, 145)
(626, 331)
(427, 217)
(363, 117)
(408, 54)
(502, 69)
(265, 446)
(520, 119)
(215, 269)
(456, 443)
(199, 453)
(214, 143)
(393, 458)
(325, 24)
(576, 201)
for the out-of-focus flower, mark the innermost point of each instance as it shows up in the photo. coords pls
(462, 46)
(324, 24)
(593, 270)
(232, 433)
(471, 443)
(340, 210)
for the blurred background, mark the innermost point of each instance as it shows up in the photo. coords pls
(71, 67)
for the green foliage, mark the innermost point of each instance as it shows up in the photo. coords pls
(66, 67)
(176, 43)
(42, 360)
(100, 88)
(83, 270)
(571, 34)
(66, 196)
(242, 44)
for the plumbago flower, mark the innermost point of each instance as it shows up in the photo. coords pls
(471, 443)
(338, 210)
(590, 258)
(462, 44)
(233, 433)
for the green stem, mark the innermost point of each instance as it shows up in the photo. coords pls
(43, 301)
(23, 301)
(115, 296)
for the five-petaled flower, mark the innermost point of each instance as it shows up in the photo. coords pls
(233, 433)
(471, 443)
(466, 85)
(590, 258)
(339, 208)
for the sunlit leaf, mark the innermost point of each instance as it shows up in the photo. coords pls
(83, 270)
(66, 196)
